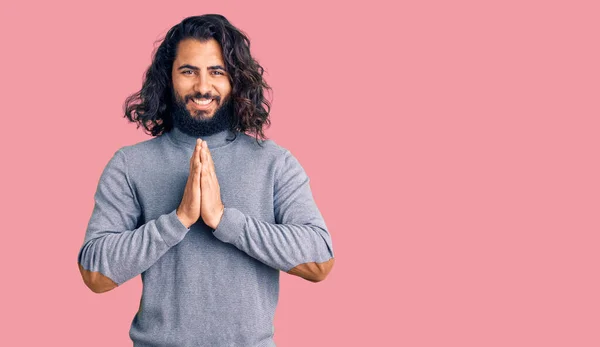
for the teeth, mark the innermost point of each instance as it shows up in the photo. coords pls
(202, 102)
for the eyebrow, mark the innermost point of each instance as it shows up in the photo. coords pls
(195, 68)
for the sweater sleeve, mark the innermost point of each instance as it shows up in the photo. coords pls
(299, 234)
(115, 244)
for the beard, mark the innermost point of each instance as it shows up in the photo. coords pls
(199, 125)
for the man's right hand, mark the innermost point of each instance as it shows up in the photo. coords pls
(188, 211)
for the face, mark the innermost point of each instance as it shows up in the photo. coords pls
(200, 81)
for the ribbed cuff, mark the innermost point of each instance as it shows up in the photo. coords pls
(170, 228)
(231, 225)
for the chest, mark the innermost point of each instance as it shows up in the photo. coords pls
(245, 184)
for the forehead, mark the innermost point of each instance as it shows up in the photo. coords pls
(201, 53)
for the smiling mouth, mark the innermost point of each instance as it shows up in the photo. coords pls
(202, 103)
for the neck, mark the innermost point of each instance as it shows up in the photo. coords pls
(215, 140)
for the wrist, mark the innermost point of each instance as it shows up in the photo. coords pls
(183, 220)
(219, 217)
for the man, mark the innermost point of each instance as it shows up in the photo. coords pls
(207, 214)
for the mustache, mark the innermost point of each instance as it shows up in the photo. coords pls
(203, 96)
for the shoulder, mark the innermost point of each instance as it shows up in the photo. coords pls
(285, 161)
(143, 147)
(128, 157)
(268, 153)
(268, 148)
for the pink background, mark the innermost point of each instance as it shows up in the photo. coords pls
(452, 147)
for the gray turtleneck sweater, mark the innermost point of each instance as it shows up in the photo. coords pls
(204, 287)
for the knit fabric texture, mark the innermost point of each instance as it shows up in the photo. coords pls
(204, 287)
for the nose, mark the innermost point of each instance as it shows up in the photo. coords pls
(202, 84)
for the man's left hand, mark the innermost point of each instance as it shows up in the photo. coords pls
(212, 208)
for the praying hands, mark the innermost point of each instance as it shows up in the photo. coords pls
(202, 194)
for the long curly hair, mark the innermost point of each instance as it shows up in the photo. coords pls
(151, 107)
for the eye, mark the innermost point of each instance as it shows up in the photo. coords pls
(218, 72)
(185, 72)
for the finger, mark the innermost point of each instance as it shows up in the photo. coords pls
(196, 156)
(199, 162)
(198, 144)
(202, 149)
(196, 150)
(211, 163)
(206, 166)
(202, 156)
(193, 165)
(197, 179)
(194, 178)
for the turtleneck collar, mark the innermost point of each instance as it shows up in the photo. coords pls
(216, 140)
